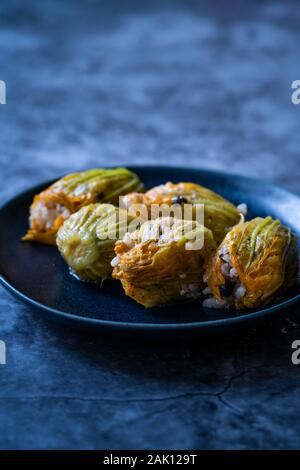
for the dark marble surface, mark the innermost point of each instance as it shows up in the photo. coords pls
(93, 83)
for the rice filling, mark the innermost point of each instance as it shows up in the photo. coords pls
(45, 214)
(232, 289)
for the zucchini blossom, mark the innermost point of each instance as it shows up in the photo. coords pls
(86, 240)
(66, 196)
(163, 261)
(255, 264)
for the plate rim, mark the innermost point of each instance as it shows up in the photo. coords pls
(119, 325)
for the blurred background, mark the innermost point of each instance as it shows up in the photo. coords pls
(197, 83)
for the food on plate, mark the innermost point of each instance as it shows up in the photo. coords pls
(163, 261)
(55, 204)
(219, 214)
(255, 264)
(177, 241)
(86, 240)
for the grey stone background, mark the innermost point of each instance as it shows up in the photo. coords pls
(203, 84)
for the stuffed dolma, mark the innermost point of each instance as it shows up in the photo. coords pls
(55, 204)
(163, 261)
(86, 240)
(255, 264)
(219, 214)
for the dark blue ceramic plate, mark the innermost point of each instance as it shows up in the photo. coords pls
(38, 275)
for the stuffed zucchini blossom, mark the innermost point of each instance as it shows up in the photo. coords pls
(66, 196)
(219, 214)
(255, 264)
(163, 261)
(86, 240)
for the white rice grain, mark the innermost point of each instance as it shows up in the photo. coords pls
(190, 291)
(233, 273)
(240, 292)
(127, 239)
(115, 261)
(207, 291)
(214, 303)
(225, 269)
